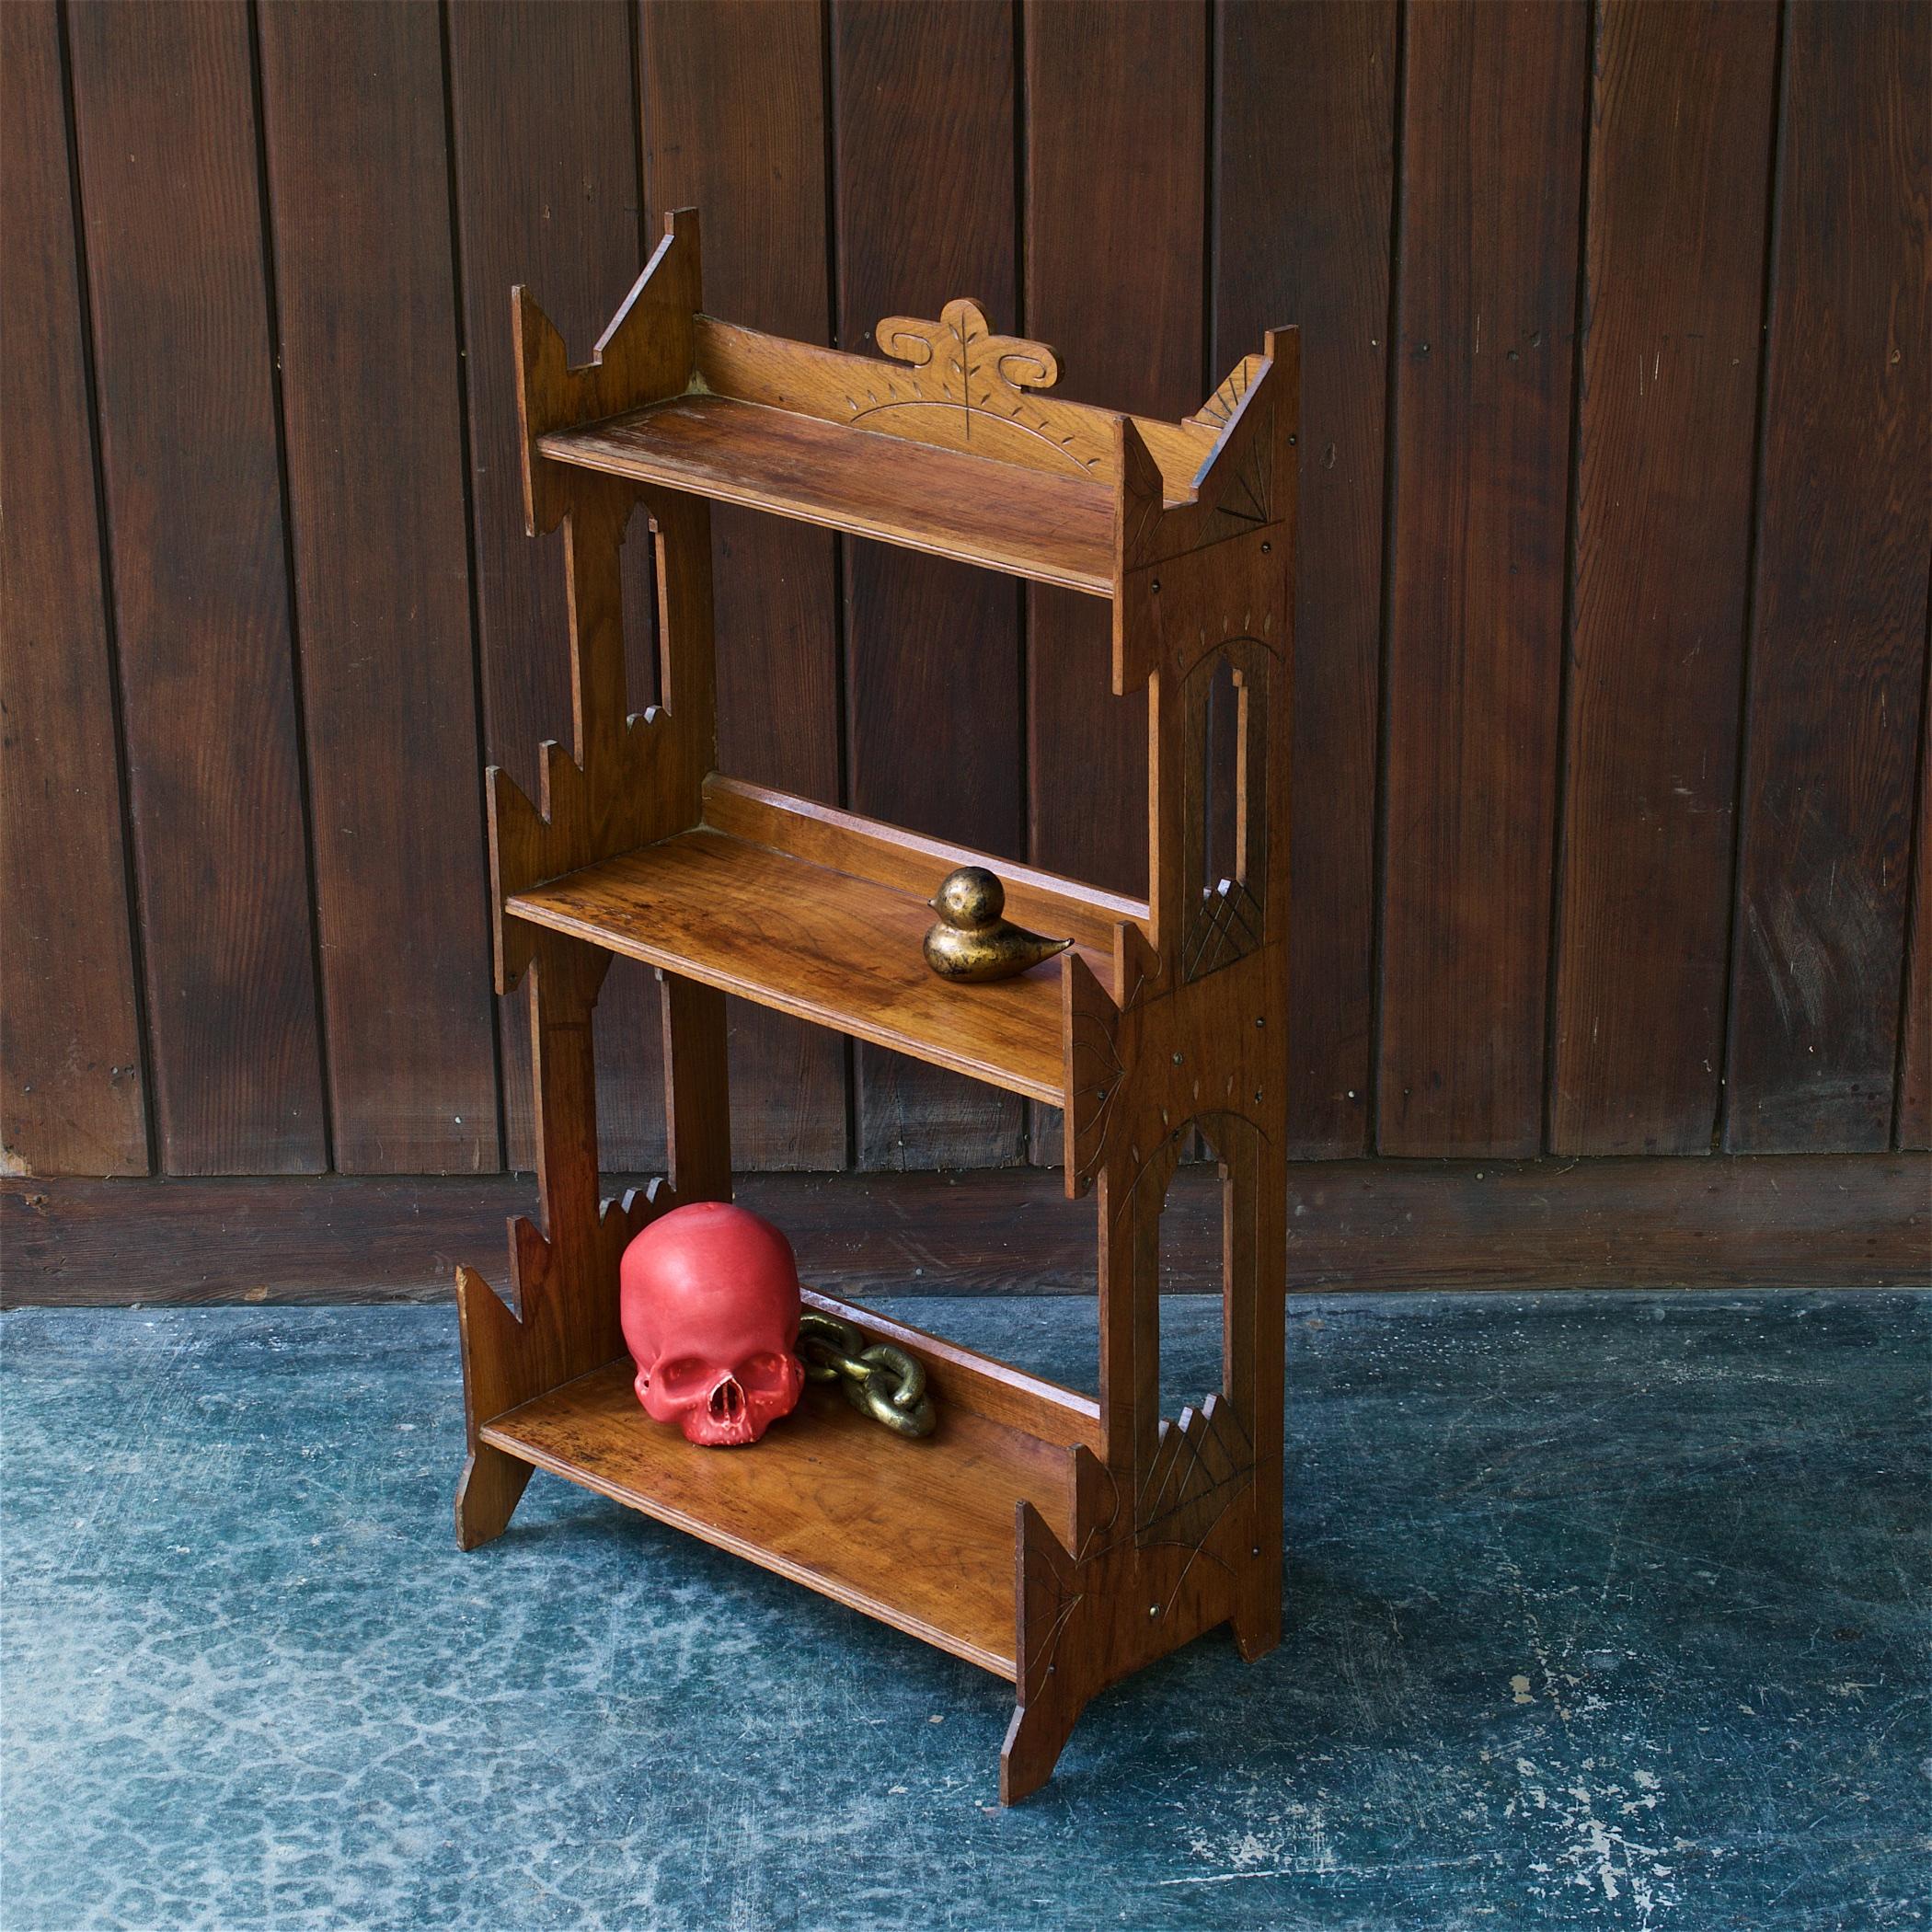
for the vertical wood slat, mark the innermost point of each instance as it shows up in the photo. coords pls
(1837, 661)
(1116, 147)
(1493, 113)
(1304, 194)
(165, 122)
(1915, 1097)
(71, 1088)
(1679, 174)
(734, 125)
(550, 199)
(356, 145)
(925, 200)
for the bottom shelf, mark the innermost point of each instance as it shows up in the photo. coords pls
(919, 1535)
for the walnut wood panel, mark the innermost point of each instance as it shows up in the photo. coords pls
(1797, 1221)
(380, 576)
(550, 200)
(1053, 529)
(1915, 1111)
(1115, 153)
(819, 945)
(734, 122)
(1837, 662)
(909, 862)
(918, 1535)
(185, 371)
(1303, 201)
(1674, 269)
(72, 1087)
(1482, 399)
(923, 192)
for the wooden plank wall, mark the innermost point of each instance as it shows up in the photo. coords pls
(1611, 752)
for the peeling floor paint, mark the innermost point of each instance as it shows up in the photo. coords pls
(1604, 1611)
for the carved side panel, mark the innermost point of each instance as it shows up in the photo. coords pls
(1224, 891)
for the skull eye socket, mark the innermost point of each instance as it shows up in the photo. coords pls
(687, 1376)
(762, 1375)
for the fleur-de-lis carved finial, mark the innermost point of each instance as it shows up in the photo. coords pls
(969, 363)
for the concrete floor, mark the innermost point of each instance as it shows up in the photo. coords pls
(1604, 1610)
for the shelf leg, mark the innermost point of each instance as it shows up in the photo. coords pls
(697, 1088)
(565, 1273)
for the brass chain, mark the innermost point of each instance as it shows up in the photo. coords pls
(879, 1380)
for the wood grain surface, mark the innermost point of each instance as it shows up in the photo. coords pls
(918, 1535)
(186, 381)
(1051, 529)
(72, 1082)
(1533, 912)
(1838, 655)
(734, 123)
(1760, 1221)
(550, 200)
(1674, 259)
(924, 194)
(382, 581)
(1304, 204)
(1492, 151)
(817, 944)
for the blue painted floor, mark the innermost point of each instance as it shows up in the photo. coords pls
(1604, 1611)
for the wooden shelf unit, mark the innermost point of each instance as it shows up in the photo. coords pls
(1056, 1540)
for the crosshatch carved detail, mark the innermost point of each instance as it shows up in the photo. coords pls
(959, 367)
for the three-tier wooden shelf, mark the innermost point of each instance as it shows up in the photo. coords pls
(1057, 1541)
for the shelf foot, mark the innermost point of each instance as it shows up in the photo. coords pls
(488, 1492)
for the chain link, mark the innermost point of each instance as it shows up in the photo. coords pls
(879, 1380)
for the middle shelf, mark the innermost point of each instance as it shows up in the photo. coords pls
(771, 899)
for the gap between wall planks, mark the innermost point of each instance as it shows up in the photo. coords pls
(1304, 205)
(359, 200)
(1486, 331)
(225, 550)
(1837, 664)
(734, 121)
(550, 200)
(1099, 246)
(185, 374)
(70, 1027)
(924, 199)
(1795, 1221)
(1667, 403)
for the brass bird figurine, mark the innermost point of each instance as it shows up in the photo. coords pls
(971, 940)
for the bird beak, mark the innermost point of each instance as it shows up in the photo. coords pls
(932, 905)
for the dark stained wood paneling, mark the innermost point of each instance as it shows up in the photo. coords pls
(1115, 143)
(71, 1081)
(1679, 170)
(550, 199)
(1853, 1220)
(734, 125)
(1115, 108)
(359, 188)
(926, 211)
(1493, 139)
(1915, 1105)
(1304, 187)
(1837, 663)
(184, 364)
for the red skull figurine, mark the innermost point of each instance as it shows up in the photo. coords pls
(710, 1305)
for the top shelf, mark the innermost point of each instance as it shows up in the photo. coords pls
(948, 440)
(1051, 529)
